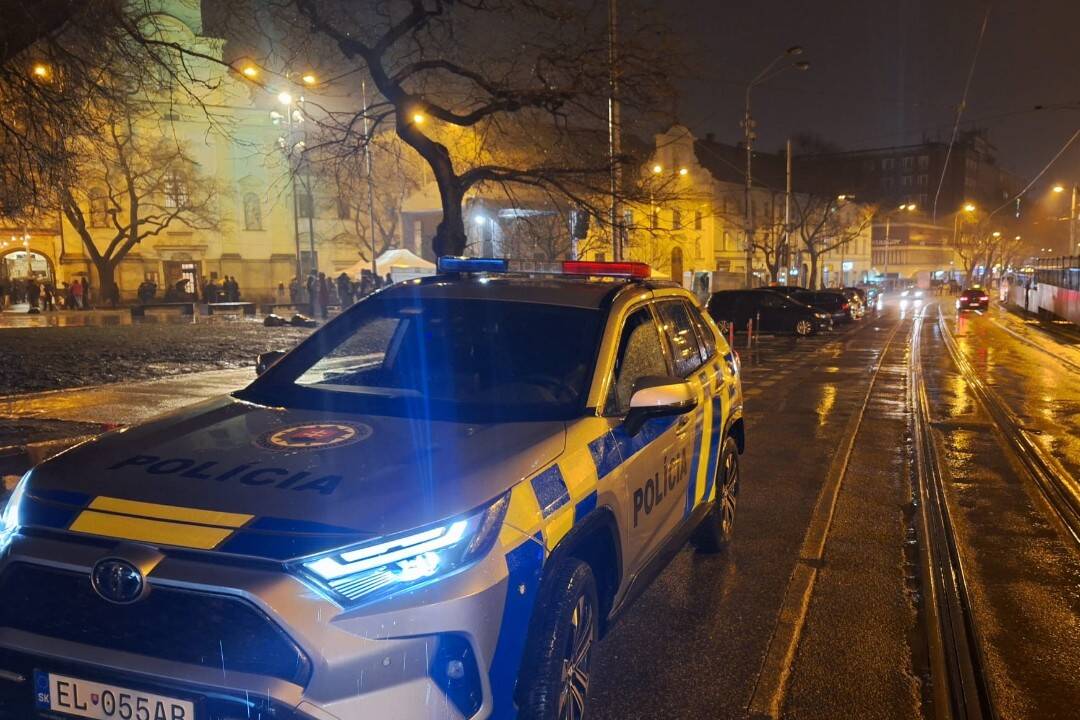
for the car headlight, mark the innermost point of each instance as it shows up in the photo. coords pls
(904, 294)
(9, 518)
(821, 316)
(376, 569)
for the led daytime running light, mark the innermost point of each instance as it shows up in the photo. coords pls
(376, 556)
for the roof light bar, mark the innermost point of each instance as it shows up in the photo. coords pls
(590, 268)
(449, 263)
(619, 269)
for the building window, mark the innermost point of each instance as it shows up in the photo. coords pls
(906, 181)
(922, 180)
(909, 163)
(924, 162)
(697, 249)
(727, 240)
(628, 218)
(305, 205)
(697, 219)
(888, 163)
(676, 220)
(600, 257)
(252, 212)
(176, 193)
(344, 208)
(99, 208)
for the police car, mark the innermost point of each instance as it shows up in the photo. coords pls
(433, 507)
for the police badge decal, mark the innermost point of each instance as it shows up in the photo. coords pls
(312, 436)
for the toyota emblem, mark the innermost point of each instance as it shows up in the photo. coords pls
(117, 581)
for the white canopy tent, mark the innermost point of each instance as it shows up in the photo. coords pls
(395, 259)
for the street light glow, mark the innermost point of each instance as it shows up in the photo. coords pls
(250, 71)
(284, 98)
(683, 171)
(41, 71)
(418, 118)
(910, 207)
(309, 78)
(996, 233)
(657, 169)
(969, 207)
(1059, 188)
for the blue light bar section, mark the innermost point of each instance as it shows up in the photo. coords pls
(449, 263)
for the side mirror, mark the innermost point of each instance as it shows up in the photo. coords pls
(658, 396)
(266, 359)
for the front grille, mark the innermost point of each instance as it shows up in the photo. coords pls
(17, 692)
(214, 631)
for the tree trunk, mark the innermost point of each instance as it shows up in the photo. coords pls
(108, 290)
(450, 234)
(812, 281)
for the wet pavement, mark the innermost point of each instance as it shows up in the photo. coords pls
(814, 610)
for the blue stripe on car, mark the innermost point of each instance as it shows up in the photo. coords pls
(714, 443)
(525, 564)
(551, 491)
(585, 506)
(605, 454)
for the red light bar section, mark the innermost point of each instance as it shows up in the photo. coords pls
(619, 269)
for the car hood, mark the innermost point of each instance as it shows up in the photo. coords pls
(284, 482)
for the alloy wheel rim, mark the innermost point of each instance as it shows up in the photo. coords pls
(803, 327)
(729, 494)
(576, 658)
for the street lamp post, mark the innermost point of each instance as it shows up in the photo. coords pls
(1072, 213)
(748, 139)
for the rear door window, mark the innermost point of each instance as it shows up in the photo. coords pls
(682, 336)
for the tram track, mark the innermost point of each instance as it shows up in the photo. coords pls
(1060, 490)
(959, 687)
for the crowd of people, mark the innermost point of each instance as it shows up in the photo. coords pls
(40, 294)
(319, 290)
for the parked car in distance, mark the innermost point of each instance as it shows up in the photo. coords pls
(770, 311)
(973, 299)
(833, 303)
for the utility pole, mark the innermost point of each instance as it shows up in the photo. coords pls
(370, 179)
(748, 215)
(614, 139)
(787, 213)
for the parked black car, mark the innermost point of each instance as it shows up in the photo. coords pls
(835, 304)
(776, 312)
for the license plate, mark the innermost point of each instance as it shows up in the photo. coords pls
(83, 698)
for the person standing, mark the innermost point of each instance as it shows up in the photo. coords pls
(344, 290)
(323, 290)
(33, 294)
(279, 296)
(47, 297)
(77, 294)
(235, 289)
(311, 285)
(294, 290)
(86, 300)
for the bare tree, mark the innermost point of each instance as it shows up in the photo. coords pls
(524, 67)
(823, 224)
(132, 186)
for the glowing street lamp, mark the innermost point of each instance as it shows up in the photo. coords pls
(418, 118)
(309, 78)
(1059, 188)
(284, 98)
(657, 169)
(250, 72)
(969, 207)
(683, 171)
(41, 71)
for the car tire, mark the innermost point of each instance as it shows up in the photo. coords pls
(716, 530)
(555, 672)
(804, 327)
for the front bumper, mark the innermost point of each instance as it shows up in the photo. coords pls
(399, 658)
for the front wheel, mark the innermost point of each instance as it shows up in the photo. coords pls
(555, 674)
(717, 528)
(803, 327)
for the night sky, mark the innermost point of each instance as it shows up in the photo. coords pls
(889, 72)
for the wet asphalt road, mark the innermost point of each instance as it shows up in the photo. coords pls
(829, 466)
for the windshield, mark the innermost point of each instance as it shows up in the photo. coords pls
(468, 360)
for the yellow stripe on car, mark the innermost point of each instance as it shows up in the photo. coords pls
(164, 524)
